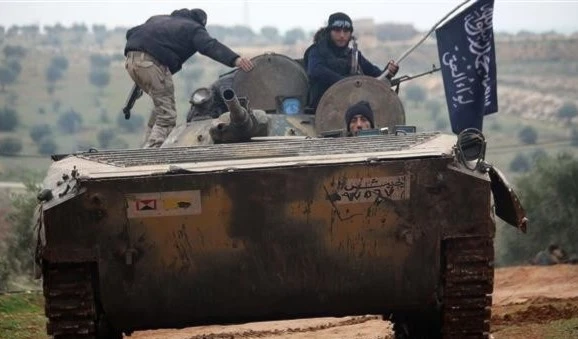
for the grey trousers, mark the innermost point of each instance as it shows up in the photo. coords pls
(155, 80)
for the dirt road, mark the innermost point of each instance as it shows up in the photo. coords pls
(349, 327)
(523, 296)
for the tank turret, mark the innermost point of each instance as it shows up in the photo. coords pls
(277, 90)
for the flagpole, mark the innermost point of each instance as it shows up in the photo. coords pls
(406, 53)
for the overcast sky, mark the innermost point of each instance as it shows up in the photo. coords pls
(509, 15)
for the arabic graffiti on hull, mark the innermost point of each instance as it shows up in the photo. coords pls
(360, 190)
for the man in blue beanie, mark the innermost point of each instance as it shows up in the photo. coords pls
(359, 117)
(329, 59)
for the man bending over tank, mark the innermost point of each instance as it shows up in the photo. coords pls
(329, 59)
(359, 117)
(158, 48)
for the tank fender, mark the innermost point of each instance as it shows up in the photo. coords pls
(508, 206)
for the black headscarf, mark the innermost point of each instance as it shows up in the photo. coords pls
(339, 20)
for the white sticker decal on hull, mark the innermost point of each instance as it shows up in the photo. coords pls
(161, 204)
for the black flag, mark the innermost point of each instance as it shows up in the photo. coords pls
(468, 61)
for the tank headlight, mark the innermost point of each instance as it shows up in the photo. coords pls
(200, 96)
(471, 146)
(288, 105)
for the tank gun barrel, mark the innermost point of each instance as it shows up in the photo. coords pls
(239, 116)
(243, 123)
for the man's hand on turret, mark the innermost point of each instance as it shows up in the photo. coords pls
(244, 64)
(392, 68)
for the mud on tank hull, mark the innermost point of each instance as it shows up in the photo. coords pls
(176, 237)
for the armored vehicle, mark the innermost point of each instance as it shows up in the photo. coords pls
(252, 216)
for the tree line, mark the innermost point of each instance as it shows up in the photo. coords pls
(237, 34)
(549, 193)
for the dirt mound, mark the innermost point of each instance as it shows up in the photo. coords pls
(534, 295)
(536, 311)
(544, 313)
(519, 284)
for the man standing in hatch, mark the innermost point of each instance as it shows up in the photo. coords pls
(359, 117)
(329, 58)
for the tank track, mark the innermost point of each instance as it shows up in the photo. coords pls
(69, 300)
(468, 284)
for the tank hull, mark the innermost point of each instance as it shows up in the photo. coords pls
(296, 237)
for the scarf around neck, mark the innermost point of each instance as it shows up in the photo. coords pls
(337, 58)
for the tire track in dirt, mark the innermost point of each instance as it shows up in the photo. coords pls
(367, 326)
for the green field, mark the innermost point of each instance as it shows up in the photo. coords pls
(22, 316)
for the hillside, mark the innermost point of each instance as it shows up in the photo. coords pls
(536, 77)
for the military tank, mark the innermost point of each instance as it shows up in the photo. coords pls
(261, 213)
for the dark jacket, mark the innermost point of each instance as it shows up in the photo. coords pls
(327, 64)
(172, 39)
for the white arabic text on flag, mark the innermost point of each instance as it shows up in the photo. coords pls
(468, 61)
